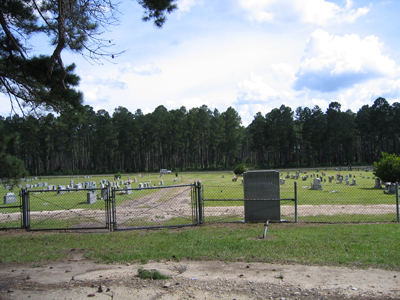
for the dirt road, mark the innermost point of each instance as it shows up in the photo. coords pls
(79, 278)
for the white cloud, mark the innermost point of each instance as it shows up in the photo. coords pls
(186, 5)
(318, 12)
(188, 103)
(143, 70)
(255, 89)
(334, 62)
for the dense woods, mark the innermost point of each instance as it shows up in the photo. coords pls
(200, 139)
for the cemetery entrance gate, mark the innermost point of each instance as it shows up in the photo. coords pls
(154, 207)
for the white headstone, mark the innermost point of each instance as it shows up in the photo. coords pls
(10, 198)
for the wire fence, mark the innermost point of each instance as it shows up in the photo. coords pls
(304, 199)
(160, 206)
(66, 209)
(11, 212)
(331, 201)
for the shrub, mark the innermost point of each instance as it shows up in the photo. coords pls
(240, 169)
(388, 168)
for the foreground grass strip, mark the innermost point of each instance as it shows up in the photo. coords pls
(362, 245)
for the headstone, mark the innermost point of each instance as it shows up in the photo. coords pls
(140, 185)
(10, 198)
(27, 185)
(162, 182)
(39, 184)
(390, 188)
(377, 183)
(354, 182)
(104, 193)
(91, 197)
(261, 185)
(128, 189)
(45, 184)
(134, 179)
(61, 189)
(316, 184)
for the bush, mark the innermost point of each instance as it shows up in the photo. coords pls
(388, 168)
(240, 169)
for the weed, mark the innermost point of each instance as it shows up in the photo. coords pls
(151, 274)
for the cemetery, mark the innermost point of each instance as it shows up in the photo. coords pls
(144, 199)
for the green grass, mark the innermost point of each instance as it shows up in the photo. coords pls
(151, 274)
(361, 245)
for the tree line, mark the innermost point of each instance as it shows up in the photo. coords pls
(84, 142)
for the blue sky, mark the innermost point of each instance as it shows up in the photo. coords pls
(253, 55)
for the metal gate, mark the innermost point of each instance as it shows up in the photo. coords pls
(66, 209)
(154, 207)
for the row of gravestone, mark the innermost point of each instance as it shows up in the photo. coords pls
(91, 195)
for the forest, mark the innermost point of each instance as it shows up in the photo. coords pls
(87, 142)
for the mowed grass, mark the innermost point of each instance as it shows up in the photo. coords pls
(361, 245)
(216, 185)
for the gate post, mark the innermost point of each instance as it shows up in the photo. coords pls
(200, 202)
(25, 209)
(113, 209)
(295, 202)
(397, 201)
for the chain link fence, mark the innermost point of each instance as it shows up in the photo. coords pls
(66, 209)
(225, 203)
(333, 200)
(11, 211)
(304, 199)
(152, 207)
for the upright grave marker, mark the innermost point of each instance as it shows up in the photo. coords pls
(261, 185)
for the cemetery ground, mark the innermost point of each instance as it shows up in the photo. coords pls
(211, 261)
(219, 260)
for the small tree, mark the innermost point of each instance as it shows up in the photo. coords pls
(388, 168)
(240, 169)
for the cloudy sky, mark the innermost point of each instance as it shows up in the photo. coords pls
(253, 55)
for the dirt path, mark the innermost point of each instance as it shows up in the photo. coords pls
(79, 279)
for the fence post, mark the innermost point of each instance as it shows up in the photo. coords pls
(397, 201)
(295, 202)
(111, 195)
(25, 209)
(200, 202)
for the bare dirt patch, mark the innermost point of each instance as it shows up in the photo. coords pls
(79, 278)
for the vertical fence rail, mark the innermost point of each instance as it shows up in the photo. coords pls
(397, 201)
(25, 209)
(296, 219)
(200, 202)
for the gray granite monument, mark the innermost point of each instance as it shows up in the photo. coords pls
(261, 185)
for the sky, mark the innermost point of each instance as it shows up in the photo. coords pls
(252, 55)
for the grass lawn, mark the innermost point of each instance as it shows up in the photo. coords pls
(361, 245)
